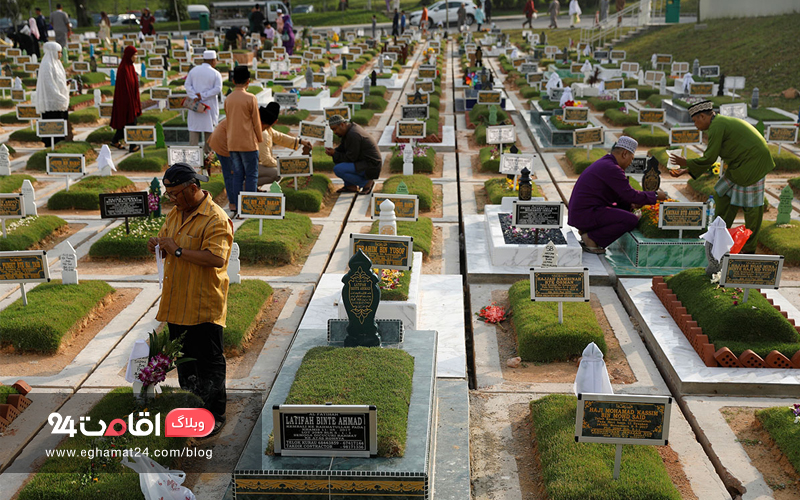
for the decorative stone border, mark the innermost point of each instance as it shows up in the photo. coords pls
(706, 350)
(16, 404)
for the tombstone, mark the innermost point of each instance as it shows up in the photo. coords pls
(333, 70)
(366, 88)
(380, 64)
(105, 163)
(28, 197)
(651, 178)
(754, 102)
(98, 97)
(344, 63)
(275, 188)
(234, 266)
(696, 68)
(721, 87)
(69, 266)
(492, 114)
(327, 45)
(309, 77)
(662, 89)
(17, 83)
(408, 160)
(373, 78)
(112, 75)
(5, 163)
(479, 57)
(328, 137)
(785, 206)
(402, 188)
(93, 64)
(387, 220)
(525, 186)
(361, 295)
(550, 255)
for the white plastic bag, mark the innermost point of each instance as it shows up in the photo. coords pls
(158, 483)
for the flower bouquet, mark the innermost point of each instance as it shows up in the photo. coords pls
(165, 355)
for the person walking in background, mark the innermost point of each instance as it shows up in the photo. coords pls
(575, 13)
(148, 22)
(374, 26)
(480, 18)
(620, 8)
(287, 34)
(52, 94)
(487, 9)
(256, 19)
(402, 22)
(267, 163)
(279, 21)
(530, 10)
(244, 132)
(105, 29)
(41, 23)
(127, 106)
(462, 15)
(603, 10)
(234, 38)
(204, 84)
(396, 23)
(423, 20)
(61, 25)
(555, 7)
(357, 158)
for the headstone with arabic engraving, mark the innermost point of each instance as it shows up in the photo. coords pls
(785, 206)
(5, 163)
(28, 197)
(651, 179)
(234, 265)
(361, 295)
(69, 266)
(402, 188)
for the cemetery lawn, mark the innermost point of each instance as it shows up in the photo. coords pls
(24, 233)
(539, 336)
(548, 105)
(5, 391)
(782, 240)
(321, 161)
(573, 470)
(245, 302)
(61, 477)
(779, 422)
(560, 124)
(116, 244)
(662, 154)
(155, 160)
(24, 135)
(281, 241)
(785, 161)
(360, 376)
(53, 312)
(621, 119)
(422, 164)
(603, 104)
(13, 182)
(498, 188)
(84, 193)
(310, 194)
(153, 117)
(731, 323)
(293, 118)
(38, 160)
(491, 165)
(644, 137)
(421, 231)
(479, 114)
(766, 115)
(577, 157)
(85, 115)
(102, 135)
(361, 117)
(417, 184)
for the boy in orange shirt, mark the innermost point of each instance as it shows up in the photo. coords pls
(244, 133)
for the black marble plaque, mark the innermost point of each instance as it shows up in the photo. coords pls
(118, 205)
(538, 215)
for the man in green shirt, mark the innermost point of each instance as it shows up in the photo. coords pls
(747, 160)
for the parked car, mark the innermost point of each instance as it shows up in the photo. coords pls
(196, 10)
(161, 16)
(124, 20)
(438, 12)
(303, 9)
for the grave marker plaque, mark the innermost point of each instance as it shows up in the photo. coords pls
(27, 266)
(142, 134)
(427, 72)
(353, 96)
(614, 84)
(652, 116)
(663, 58)
(410, 130)
(628, 95)
(574, 114)
(601, 55)
(106, 110)
(629, 67)
(160, 94)
(565, 284)
(537, 214)
(701, 89)
(415, 111)
(32, 68)
(618, 55)
(191, 155)
(489, 97)
(319, 78)
(385, 251)
(512, 164)
(588, 136)
(751, 271)
(782, 134)
(155, 74)
(110, 60)
(312, 130)
(50, 128)
(679, 215)
(528, 68)
(709, 71)
(418, 98)
(286, 99)
(623, 419)
(406, 206)
(325, 430)
(685, 135)
(175, 101)
(66, 164)
(637, 166)
(11, 206)
(18, 95)
(262, 205)
(180, 54)
(123, 205)
(423, 86)
(500, 134)
(343, 111)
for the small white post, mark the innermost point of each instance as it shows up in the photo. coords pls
(779, 147)
(560, 313)
(67, 179)
(69, 266)
(617, 461)
(141, 150)
(28, 197)
(261, 222)
(746, 294)
(3, 223)
(24, 295)
(387, 220)
(588, 151)
(680, 234)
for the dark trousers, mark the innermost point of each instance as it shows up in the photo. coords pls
(205, 376)
(55, 115)
(753, 216)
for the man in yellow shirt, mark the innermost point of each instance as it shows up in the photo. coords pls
(195, 242)
(267, 163)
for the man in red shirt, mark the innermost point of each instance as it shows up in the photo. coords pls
(148, 22)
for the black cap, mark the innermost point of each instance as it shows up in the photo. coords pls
(269, 113)
(179, 173)
(241, 74)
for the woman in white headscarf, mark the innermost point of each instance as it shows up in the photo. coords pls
(52, 93)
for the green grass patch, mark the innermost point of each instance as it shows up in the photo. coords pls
(153, 117)
(245, 301)
(24, 135)
(779, 422)
(38, 160)
(422, 164)
(375, 102)
(479, 114)
(360, 375)
(102, 135)
(496, 190)
(785, 161)
(85, 115)
(421, 231)
(309, 196)
(322, 162)
(417, 184)
(118, 245)
(754, 324)
(362, 117)
(12, 183)
(293, 118)
(489, 164)
(560, 124)
(155, 160)
(480, 135)
(767, 115)
(782, 240)
(548, 105)
(311, 92)
(336, 81)
(53, 311)
(83, 194)
(662, 154)
(11, 118)
(704, 185)
(574, 471)
(529, 92)
(281, 241)
(5, 391)
(214, 186)
(80, 99)
(643, 135)
(621, 119)
(92, 78)
(541, 338)
(24, 233)
(603, 104)
(655, 100)
(60, 478)
(577, 157)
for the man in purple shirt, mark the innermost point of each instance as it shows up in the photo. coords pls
(602, 200)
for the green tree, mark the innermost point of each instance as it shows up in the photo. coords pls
(82, 13)
(15, 9)
(170, 6)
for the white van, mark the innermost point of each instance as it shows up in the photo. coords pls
(235, 13)
(195, 11)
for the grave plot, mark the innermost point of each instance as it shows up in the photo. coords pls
(37, 233)
(429, 195)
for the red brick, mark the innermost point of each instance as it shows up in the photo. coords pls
(727, 359)
(708, 355)
(4, 424)
(683, 322)
(19, 401)
(796, 359)
(778, 360)
(22, 387)
(750, 359)
(694, 332)
(8, 412)
(699, 341)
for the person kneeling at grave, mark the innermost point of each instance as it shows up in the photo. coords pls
(267, 164)
(357, 159)
(602, 201)
(747, 158)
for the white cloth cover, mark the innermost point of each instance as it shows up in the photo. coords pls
(653, 60)
(554, 82)
(206, 82)
(104, 159)
(687, 82)
(592, 374)
(574, 8)
(52, 93)
(601, 87)
(566, 96)
(587, 67)
(587, 51)
(719, 237)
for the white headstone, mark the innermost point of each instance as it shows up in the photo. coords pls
(5, 163)
(233, 265)
(550, 255)
(28, 197)
(387, 220)
(105, 163)
(69, 266)
(333, 70)
(17, 83)
(328, 137)
(98, 97)
(408, 160)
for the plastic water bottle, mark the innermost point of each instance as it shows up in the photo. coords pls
(710, 209)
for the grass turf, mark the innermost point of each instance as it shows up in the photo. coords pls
(84, 193)
(60, 478)
(603, 104)
(322, 162)
(496, 190)
(24, 135)
(359, 376)
(12, 183)
(281, 241)
(779, 423)
(309, 196)
(577, 157)
(573, 471)
(293, 118)
(752, 325)
(421, 231)
(643, 135)
(785, 161)
(116, 244)
(38, 160)
(662, 154)
(85, 115)
(102, 135)
(5, 391)
(24, 233)
(245, 301)
(479, 114)
(53, 310)
(155, 160)
(766, 115)
(782, 240)
(422, 164)
(153, 117)
(560, 124)
(541, 338)
(417, 184)
(621, 119)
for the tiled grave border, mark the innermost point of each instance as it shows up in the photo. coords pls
(15, 404)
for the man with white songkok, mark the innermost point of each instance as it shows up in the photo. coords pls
(204, 84)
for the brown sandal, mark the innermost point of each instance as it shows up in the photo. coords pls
(348, 189)
(367, 189)
(594, 250)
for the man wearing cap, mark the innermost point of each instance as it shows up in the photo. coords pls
(244, 132)
(204, 84)
(747, 160)
(267, 164)
(357, 158)
(195, 242)
(601, 202)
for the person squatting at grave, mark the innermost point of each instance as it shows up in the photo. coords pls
(204, 84)
(195, 242)
(747, 162)
(52, 94)
(601, 203)
(127, 106)
(357, 158)
(267, 164)
(244, 133)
